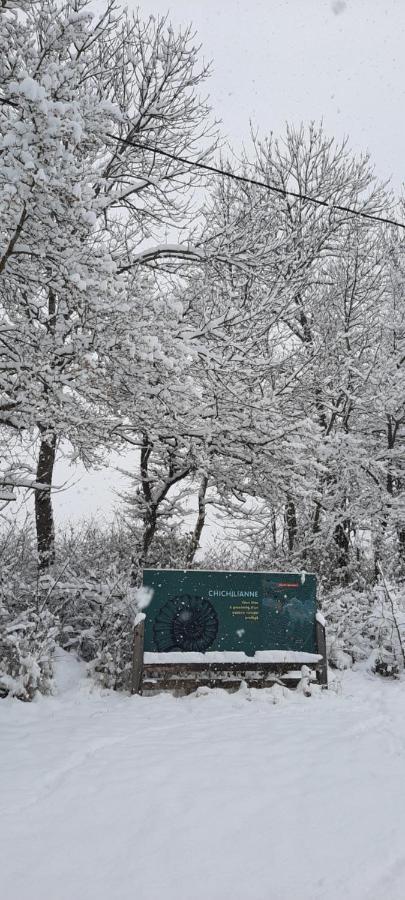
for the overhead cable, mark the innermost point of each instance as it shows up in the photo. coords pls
(215, 170)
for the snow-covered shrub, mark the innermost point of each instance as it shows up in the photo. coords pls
(27, 644)
(87, 591)
(386, 665)
(390, 604)
(93, 596)
(95, 621)
(96, 617)
(112, 664)
(28, 629)
(365, 625)
(85, 603)
(223, 556)
(65, 606)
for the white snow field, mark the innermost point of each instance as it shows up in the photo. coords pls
(209, 797)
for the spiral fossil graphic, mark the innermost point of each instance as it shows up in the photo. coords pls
(186, 623)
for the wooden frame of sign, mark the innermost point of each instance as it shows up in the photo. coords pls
(185, 677)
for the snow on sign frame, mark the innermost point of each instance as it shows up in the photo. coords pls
(199, 610)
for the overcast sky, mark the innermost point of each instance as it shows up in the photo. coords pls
(297, 60)
(288, 60)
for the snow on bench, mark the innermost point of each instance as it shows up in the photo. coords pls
(231, 656)
(183, 671)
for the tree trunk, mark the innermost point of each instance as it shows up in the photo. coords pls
(342, 541)
(274, 529)
(401, 542)
(43, 504)
(149, 528)
(195, 537)
(316, 527)
(153, 497)
(291, 522)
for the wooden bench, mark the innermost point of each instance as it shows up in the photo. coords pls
(182, 673)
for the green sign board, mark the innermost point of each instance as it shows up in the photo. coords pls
(195, 610)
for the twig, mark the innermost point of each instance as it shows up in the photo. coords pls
(394, 618)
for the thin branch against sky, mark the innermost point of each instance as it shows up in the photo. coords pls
(289, 60)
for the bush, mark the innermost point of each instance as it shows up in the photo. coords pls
(96, 621)
(85, 603)
(113, 660)
(28, 629)
(27, 645)
(366, 624)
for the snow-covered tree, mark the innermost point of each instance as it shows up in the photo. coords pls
(302, 288)
(80, 205)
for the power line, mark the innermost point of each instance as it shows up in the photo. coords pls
(253, 181)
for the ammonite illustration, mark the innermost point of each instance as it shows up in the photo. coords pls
(185, 623)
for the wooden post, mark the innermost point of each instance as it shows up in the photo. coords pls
(137, 658)
(321, 644)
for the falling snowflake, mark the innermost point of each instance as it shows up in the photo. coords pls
(339, 6)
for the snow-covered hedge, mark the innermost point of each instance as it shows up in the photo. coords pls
(85, 604)
(28, 628)
(367, 624)
(27, 644)
(96, 615)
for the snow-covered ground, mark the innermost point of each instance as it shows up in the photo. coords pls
(209, 797)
